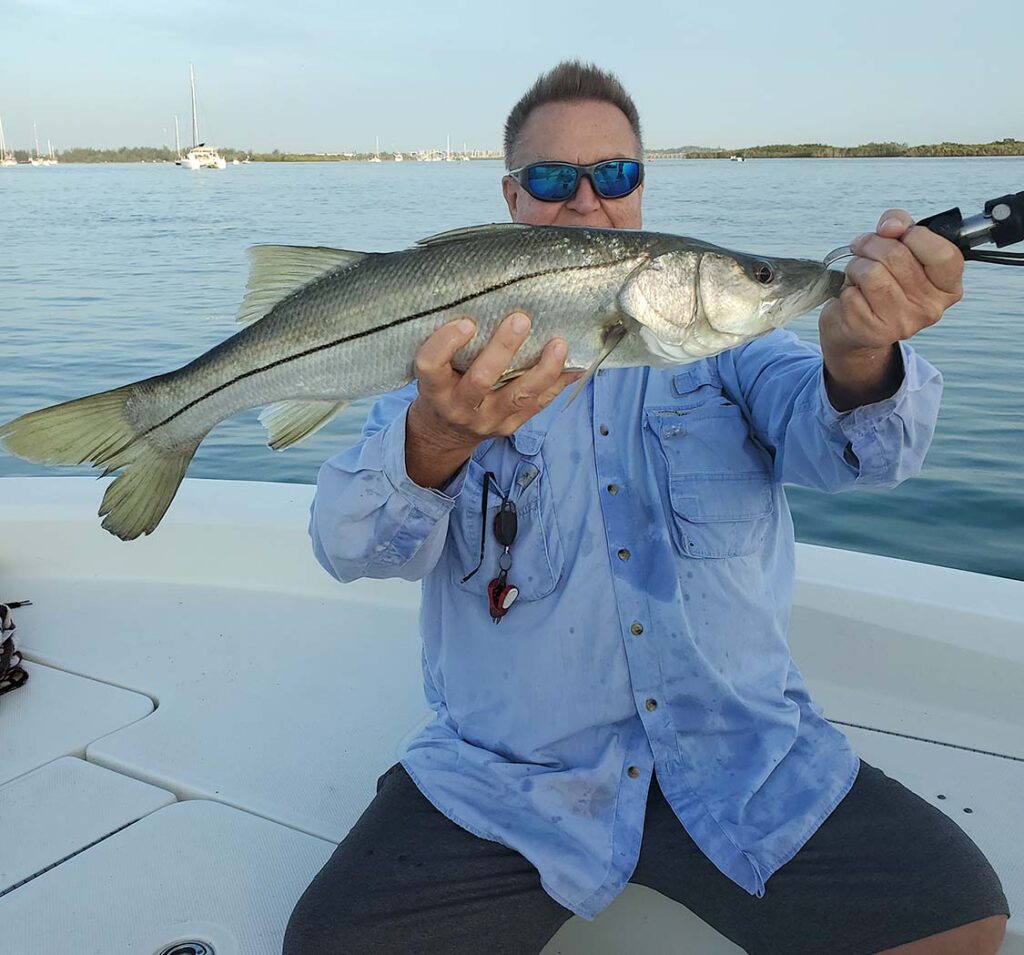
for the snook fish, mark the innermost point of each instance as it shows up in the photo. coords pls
(327, 326)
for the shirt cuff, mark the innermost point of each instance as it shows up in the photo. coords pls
(430, 501)
(862, 427)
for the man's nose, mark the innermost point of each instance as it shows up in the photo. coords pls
(586, 199)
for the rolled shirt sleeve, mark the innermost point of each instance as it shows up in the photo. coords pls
(779, 381)
(368, 517)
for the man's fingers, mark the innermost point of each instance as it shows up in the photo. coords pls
(433, 362)
(542, 400)
(525, 393)
(894, 222)
(942, 261)
(493, 360)
(899, 261)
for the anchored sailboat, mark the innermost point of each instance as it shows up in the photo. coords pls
(200, 156)
(6, 158)
(37, 160)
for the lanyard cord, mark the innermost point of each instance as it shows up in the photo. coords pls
(488, 477)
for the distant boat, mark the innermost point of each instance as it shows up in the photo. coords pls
(399, 157)
(200, 156)
(448, 149)
(376, 151)
(52, 160)
(37, 159)
(6, 158)
(736, 159)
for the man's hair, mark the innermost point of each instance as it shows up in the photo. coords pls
(570, 81)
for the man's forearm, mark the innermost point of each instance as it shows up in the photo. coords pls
(430, 458)
(862, 377)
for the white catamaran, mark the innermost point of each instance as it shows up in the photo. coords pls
(200, 156)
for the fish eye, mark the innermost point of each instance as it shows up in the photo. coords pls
(763, 273)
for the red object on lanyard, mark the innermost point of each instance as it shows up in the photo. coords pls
(500, 593)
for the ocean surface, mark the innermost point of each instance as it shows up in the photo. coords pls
(111, 273)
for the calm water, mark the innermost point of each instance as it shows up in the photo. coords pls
(113, 273)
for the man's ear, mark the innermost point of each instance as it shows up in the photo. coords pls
(510, 189)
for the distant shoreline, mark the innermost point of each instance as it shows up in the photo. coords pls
(156, 154)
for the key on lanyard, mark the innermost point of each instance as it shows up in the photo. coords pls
(500, 593)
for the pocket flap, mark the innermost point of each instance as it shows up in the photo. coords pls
(725, 497)
(693, 377)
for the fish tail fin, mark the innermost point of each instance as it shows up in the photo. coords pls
(137, 499)
(96, 430)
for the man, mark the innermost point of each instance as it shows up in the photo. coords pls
(635, 714)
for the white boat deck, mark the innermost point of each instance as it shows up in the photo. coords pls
(208, 713)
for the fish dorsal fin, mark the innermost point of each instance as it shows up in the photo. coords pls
(278, 270)
(466, 232)
(288, 422)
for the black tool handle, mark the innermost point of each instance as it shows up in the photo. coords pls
(1002, 223)
(947, 224)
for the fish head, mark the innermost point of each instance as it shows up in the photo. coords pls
(749, 295)
(697, 299)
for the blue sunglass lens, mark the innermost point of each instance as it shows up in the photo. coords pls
(614, 179)
(551, 182)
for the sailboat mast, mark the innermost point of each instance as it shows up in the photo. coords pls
(177, 139)
(195, 121)
(35, 135)
(3, 142)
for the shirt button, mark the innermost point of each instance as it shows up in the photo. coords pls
(633, 772)
(623, 554)
(613, 489)
(636, 629)
(603, 429)
(651, 704)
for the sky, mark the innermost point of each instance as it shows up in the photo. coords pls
(317, 76)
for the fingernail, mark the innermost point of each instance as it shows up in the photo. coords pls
(520, 323)
(465, 326)
(891, 224)
(559, 349)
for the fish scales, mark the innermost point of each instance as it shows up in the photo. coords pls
(343, 331)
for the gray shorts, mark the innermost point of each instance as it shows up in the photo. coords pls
(884, 869)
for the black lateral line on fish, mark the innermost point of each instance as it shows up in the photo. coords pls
(380, 328)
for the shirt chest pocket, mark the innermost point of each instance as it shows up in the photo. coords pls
(718, 477)
(537, 557)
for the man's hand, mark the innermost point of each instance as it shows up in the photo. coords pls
(454, 412)
(902, 280)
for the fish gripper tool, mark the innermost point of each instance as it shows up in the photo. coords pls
(1001, 223)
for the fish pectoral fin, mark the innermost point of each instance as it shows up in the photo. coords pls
(493, 228)
(612, 337)
(278, 270)
(288, 422)
(508, 376)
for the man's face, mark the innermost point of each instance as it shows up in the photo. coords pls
(584, 132)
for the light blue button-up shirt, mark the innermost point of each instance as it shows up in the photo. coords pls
(655, 563)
